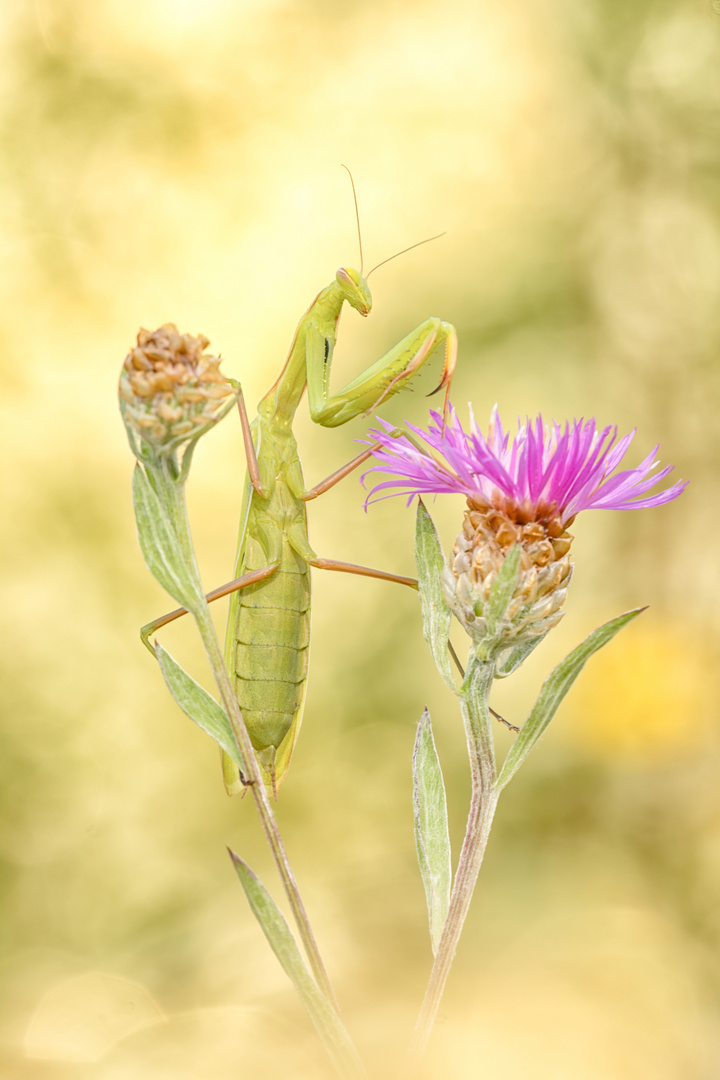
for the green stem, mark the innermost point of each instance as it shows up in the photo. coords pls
(259, 793)
(478, 731)
(173, 495)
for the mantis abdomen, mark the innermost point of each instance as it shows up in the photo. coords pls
(272, 634)
(270, 642)
(268, 639)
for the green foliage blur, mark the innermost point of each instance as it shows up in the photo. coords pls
(180, 160)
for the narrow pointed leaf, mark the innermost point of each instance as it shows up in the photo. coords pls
(436, 613)
(502, 591)
(159, 544)
(554, 690)
(200, 706)
(282, 942)
(516, 656)
(432, 838)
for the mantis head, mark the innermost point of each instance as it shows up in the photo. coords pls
(354, 289)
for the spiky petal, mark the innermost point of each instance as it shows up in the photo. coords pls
(545, 471)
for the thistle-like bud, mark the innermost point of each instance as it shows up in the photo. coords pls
(488, 535)
(171, 390)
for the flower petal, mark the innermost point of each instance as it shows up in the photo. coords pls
(553, 469)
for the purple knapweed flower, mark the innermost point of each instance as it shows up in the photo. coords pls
(524, 490)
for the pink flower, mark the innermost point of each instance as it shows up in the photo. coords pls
(545, 472)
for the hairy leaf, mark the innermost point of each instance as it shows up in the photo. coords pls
(159, 543)
(200, 706)
(502, 591)
(282, 942)
(432, 839)
(554, 690)
(436, 613)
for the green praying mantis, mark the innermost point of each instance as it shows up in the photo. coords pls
(268, 630)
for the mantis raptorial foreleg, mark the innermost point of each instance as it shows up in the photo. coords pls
(380, 380)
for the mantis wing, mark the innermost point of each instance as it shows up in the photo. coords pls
(233, 784)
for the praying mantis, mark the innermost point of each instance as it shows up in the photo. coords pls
(268, 629)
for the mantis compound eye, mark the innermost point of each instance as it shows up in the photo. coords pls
(347, 276)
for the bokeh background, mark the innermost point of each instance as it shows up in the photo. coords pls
(180, 160)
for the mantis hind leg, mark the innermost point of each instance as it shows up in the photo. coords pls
(224, 590)
(362, 571)
(299, 542)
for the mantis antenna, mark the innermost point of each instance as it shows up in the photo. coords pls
(357, 215)
(398, 253)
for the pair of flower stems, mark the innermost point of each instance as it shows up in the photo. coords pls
(505, 582)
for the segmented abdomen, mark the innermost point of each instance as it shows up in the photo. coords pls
(272, 635)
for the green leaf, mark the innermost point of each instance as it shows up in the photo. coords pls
(280, 937)
(432, 838)
(200, 706)
(502, 591)
(436, 613)
(159, 543)
(516, 656)
(554, 690)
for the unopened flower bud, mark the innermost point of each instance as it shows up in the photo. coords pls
(170, 388)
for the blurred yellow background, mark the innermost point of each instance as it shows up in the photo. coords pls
(180, 160)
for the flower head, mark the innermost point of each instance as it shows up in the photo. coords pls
(523, 490)
(171, 390)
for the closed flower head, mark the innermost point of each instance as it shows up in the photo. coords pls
(524, 489)
(171, 390)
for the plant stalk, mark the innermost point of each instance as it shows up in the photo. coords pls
(174, 497)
